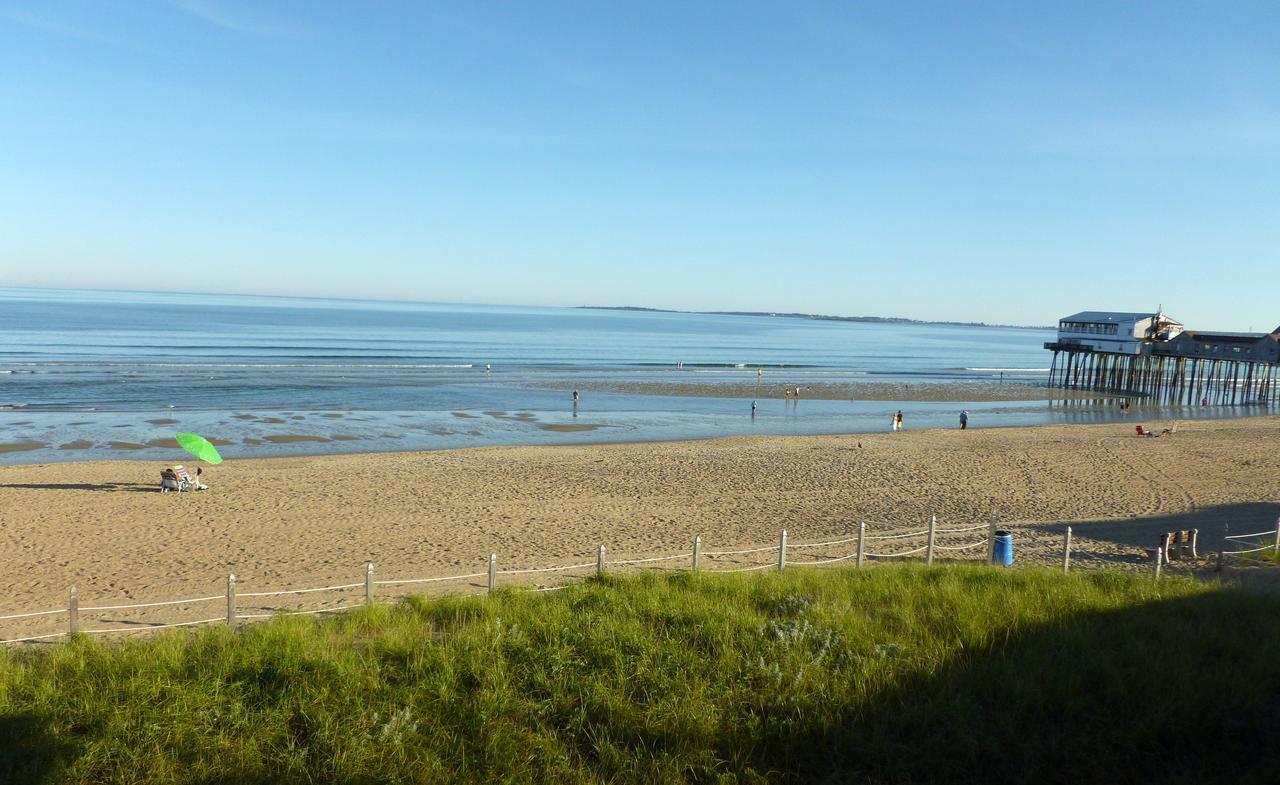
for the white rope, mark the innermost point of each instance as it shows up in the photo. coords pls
(29, 615)
(820, 561)
(821, 544)
(977, 544)
(546, 569)
(153, 604)
(1246, 536)
(552, 588)
(904, 553)
(965, 529)
(297, 591)
(146, 627)
(35, 638)
(256, 616)
(646, 561)
(1255, 561)
(744, 550)
(898, 536)
(1250, 550)
(430, 580)
(749, 569)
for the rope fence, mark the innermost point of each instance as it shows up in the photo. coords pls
(1249, 543)
(852, 548)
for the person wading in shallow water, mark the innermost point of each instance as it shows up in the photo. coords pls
(964, 420)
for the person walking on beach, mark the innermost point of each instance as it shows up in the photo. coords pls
(964, 419)
(897, 421)
(893, 422)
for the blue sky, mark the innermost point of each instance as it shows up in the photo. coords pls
(1005, 162)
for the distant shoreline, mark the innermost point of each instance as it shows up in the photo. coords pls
(817, 317)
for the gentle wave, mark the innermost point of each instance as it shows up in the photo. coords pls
(1010, 370)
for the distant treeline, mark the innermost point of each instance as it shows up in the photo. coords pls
(815, 316)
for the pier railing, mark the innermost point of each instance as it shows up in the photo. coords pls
(233, 605)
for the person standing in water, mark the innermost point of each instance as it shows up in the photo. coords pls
(576, 397)
(964, 419)
(753, 410)
(897, 420)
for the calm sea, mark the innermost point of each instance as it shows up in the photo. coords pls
(90, 374)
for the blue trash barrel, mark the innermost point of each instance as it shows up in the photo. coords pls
(1003, 551)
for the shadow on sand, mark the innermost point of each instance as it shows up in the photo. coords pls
(1145, 532)
(117, 487)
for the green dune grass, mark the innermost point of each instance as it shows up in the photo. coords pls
(893, 674)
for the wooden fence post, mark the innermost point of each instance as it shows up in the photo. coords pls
(1226, 529)
(933, 525)
(1164, 541)
(73, 611)
(493, 572)
(1066, 551)
(231, 601)
(600, 560)
(368, 582)
(991, 539)
(862, 536)
(697, 551)
(1276, 548)
(782, 550)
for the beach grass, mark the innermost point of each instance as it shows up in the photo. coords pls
(894, 674)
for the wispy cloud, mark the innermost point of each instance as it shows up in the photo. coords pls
(237, 22)
(55, 27)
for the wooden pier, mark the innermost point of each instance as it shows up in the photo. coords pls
(1150, 357)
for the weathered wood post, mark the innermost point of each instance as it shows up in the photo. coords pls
(1160, 554)
(1226, 529)
(697, 551)
(368, 582)
(862, 536)
(231, 601)
(933, 525)
(1066, 551)
(73, 611)
(1276, 548)
(991, 539)
(782, 550)
(600, 560)
(493, 572)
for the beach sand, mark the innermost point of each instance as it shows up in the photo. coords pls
(301, 522)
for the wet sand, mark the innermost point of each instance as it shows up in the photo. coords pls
(297, 522)
(936, 392)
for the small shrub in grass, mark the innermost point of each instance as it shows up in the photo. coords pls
(893, 674)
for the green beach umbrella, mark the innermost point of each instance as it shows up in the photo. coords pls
(199, 447)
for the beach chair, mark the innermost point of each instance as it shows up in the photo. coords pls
(1144, 432)
(178, 478)
(175, 478)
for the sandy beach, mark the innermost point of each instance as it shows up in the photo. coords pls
(301, 522)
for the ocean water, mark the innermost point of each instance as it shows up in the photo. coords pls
(91, 374)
